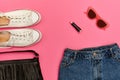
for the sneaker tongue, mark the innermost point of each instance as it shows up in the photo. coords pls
(10, 42)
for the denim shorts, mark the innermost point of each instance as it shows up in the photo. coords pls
(96, 63)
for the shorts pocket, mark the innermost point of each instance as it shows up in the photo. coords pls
(68, 60)
(117, 55)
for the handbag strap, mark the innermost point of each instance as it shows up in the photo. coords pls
(20, 51)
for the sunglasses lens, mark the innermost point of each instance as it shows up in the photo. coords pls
(91, 14)
(101, 24)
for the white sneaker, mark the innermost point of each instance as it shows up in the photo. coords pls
(20, 18)
(21, 38)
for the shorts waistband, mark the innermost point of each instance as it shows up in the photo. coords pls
(99, 52)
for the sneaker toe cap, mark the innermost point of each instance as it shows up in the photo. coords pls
(37, 35)
(36, 17)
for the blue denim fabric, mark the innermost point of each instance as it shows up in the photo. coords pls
(97, 63)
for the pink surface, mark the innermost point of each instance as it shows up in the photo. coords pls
(58, 34)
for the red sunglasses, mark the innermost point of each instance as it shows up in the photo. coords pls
(91, 13)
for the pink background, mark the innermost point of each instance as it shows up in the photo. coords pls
(58, 34)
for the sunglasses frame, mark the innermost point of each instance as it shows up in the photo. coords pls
(97, 17)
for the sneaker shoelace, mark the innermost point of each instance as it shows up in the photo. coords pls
(25, 37)
(26, 18)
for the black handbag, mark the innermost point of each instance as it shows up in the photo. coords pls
(21, 69)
